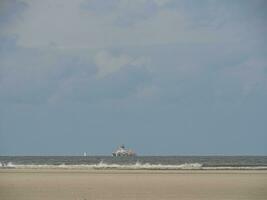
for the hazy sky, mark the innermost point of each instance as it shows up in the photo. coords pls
(160, 76)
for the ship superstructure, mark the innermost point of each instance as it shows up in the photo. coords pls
(122, 151)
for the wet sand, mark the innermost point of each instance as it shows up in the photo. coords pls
(124, 185)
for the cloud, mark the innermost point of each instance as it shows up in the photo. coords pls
(162, 2)
(10, 11)
(87, 49)
(108, 63)
(124, 12)
(117, 77)
(115, 87)
(129, 23)
(32, 75)
(48, 75)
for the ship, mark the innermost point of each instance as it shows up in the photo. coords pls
(122, 151)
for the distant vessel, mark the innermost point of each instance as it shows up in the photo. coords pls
(122, 151)
(84, 154)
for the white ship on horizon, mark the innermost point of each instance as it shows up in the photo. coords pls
(122, 151)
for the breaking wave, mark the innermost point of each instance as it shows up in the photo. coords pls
(103, 165)
(136, 166)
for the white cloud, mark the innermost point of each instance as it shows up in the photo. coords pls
(76, 31)
(67, 25)
(108, 63)
(162, 2)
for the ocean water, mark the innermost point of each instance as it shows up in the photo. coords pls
(137, 162)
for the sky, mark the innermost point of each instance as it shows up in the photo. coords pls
(163, 77)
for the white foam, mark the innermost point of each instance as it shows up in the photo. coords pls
(8, 165)
(136, 166)
(103, 165)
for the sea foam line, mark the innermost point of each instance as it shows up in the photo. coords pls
(136, 166)
(103, 165)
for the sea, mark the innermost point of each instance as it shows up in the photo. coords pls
(135, 162)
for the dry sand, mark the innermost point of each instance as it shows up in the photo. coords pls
(118, 185)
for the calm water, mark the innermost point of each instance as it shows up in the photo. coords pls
(139, 162)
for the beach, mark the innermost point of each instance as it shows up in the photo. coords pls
(54, 184)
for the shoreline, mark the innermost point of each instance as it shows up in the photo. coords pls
(135, 171)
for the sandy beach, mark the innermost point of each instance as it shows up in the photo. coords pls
(33, 184)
